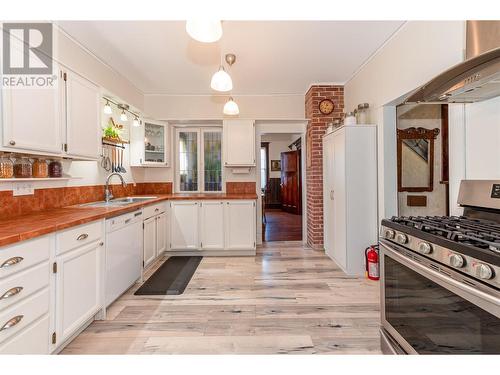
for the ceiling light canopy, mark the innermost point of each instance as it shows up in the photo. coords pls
(231, 108)
(221, 81)
(205, 31)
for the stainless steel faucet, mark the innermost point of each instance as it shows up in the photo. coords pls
(107, 193)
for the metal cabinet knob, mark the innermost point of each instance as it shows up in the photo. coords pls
(12, 322)
(12, 143)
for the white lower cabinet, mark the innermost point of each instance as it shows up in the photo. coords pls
(240, 225)
(78, 293)
(161, 234)
(212, 225)
(184, 225)
(149, 240)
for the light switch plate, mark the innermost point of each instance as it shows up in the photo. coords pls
(23, 188)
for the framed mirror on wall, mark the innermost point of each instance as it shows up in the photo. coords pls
(415, 152)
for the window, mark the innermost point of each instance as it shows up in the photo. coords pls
(199, 160)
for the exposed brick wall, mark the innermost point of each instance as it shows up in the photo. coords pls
(315, 131)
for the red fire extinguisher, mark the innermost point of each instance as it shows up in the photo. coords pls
(372, 262)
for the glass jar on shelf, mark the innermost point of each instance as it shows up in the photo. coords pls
(6, 166)
(40, 168)
(23, 167)
(55, 169)
(362, 114)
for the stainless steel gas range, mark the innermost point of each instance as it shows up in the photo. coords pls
(440, 278)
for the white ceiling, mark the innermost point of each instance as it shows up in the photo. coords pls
(273, 57)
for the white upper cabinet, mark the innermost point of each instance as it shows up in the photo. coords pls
(82, 116)
(149, 145)
(32, 118)
(239, 142)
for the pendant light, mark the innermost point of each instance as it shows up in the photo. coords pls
(231, 108)
(107, 108)
(205, 31)
(221, 80)
(123, 115)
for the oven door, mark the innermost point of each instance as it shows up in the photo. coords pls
(432, 310)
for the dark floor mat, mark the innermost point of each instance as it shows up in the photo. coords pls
(171, 278)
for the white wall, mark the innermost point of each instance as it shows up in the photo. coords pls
(418, 51)
(206, 107)
(278, 143)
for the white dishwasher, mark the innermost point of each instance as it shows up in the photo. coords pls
(124, 244)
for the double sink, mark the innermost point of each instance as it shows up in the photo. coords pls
(117, 202)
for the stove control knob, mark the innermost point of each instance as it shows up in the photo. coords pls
(401, 238)
(483, 271)
(456, 260)
(389, 234)
(425, 247)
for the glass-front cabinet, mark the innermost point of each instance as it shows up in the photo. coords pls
(149, 144)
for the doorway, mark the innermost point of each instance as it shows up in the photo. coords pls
(422, 160)
(281, 186)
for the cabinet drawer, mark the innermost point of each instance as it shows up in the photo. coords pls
(154, 209)
(21, 314)
(20, 256)
(78, 236)
(32, 340)
(22, 284)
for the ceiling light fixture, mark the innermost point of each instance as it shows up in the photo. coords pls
(107, 108)
(205, 31)
(221, 80)
(123, 115)
(231, 108)
(136, 122)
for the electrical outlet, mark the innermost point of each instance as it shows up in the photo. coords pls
(23, 188)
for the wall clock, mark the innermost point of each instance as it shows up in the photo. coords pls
(326, 106)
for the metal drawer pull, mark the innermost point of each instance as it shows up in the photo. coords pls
(82, 237)
(127, 221)
(12, 292)
(157, 209)
(11, 262)
(138, 214)
(12, 322)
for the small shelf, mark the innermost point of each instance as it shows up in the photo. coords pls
(65, 178)
(155, 152)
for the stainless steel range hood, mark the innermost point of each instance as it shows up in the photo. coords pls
(474, 80)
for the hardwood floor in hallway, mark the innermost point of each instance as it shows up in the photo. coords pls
(281, 226)
(287, 299)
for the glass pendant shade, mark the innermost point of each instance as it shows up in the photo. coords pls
(231, 108)
(123, 116)
(107, 109)
(204, 31)
(221, 81)
(136, 122)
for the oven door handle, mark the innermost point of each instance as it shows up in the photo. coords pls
(486, 301)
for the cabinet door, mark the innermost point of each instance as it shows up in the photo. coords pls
(149, 240)
(78, 289)
(328, 199)
(339, 200)
(82, 116)
(240, 225)
(32, 118)
(161, 233)
(212, 225)
(184, 225)
(239, 142)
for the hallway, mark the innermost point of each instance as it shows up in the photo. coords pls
(281, 226)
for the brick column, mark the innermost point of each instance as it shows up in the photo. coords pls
(315, 131)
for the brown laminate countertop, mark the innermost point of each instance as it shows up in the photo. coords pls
(24, 227)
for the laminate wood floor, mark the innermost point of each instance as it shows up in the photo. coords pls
(281, 226)
(288, 299)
